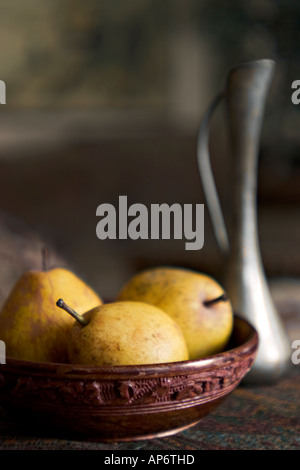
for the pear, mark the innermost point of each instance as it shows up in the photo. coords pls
(196, 301)
(30, 324)
(124, 333)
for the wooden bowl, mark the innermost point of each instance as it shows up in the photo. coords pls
(127, 402)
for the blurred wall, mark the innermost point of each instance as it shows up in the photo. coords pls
(105, 98)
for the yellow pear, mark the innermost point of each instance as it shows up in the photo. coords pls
(31, 325)
(196, 301)
(124, 333)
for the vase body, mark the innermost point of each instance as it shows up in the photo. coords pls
(244, 277)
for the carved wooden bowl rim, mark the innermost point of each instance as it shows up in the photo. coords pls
(218, 361)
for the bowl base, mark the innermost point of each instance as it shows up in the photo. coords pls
(143, 437)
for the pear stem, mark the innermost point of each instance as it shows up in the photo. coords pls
(221, 298)
(80, 318)
(45, 258)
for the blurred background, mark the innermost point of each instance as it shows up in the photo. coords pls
(104, 98)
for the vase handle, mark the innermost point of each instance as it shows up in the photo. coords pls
(207, 178)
